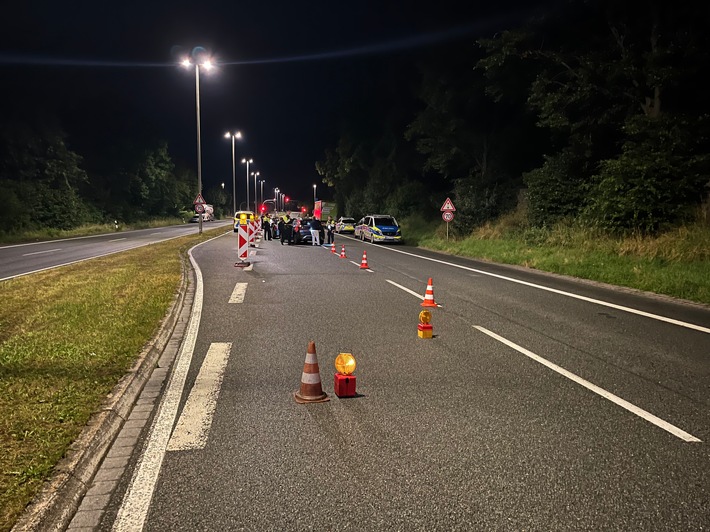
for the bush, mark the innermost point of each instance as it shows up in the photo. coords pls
(556, 190)
(657, 182)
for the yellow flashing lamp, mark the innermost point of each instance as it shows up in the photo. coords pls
(425, 317)
(345, 364)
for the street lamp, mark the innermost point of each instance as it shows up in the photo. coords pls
(314, 197)
(256, 199)
(207, 65)
(236, 135)
(276, 199)
(261, 183)
(248, 162)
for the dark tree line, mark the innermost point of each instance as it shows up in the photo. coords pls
(594, 112)
(45, 184)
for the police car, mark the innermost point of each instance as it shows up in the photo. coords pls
(345, 225)
(242, 215)
(378, 228)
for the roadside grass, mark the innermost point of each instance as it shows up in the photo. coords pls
(675, 263)
(67, 336)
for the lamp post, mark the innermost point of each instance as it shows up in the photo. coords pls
(276, 199)
(261, 183)
(237, 135)
(207, 65)
(314, 197)
(256, 199)
(248, 162)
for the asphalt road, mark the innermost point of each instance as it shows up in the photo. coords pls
(23, 259)
(541, 403)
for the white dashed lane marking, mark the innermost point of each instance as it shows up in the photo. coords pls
(594, 388)
(194, 424)
(238, 293)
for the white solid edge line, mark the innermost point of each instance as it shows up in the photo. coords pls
(596, 389)
(562, 292)
(194, 424)
(136, 502)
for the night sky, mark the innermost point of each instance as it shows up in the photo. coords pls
(288, 72)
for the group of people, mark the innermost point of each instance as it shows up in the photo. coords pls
(285, 228)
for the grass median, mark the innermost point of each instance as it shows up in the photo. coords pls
(67, 336)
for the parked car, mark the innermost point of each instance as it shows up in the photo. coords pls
(205, 218)
(378, 228)
(303, 235)
(345, 225)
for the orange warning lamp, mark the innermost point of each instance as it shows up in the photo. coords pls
(425, 316)
(345, 382)
(424, 329)
(345, 364)
(243, 218)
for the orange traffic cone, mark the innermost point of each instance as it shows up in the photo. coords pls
(342, 253)
(332, 249)
(429, 296)
(363, 264)
(311, 390)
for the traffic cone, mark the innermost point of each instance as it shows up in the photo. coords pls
(342, 253)
(429, 296)
(363, 263)
(332, 249)
(311, 390)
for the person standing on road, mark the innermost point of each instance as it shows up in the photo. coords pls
(287, 232)
(315, 231)
(266, 224)
(330, 227)
(281, 226)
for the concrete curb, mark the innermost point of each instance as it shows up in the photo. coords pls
(55, 506)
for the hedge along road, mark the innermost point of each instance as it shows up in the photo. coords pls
(507, 419)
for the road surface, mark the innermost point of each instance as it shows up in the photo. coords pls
(541, 403)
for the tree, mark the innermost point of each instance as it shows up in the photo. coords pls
(598, 76)
(477, 147)
(41, 177)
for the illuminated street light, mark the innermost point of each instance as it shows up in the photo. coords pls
(314, 197)
(261, 183)
(207, 65)
(276, 199)
(237, 135)
(248, 162)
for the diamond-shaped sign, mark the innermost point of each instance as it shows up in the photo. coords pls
(448, 205)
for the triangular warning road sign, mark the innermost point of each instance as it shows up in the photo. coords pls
(199, 200)
(448, 205)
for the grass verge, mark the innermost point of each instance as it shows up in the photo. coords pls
(676, 263)
(67, 336)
